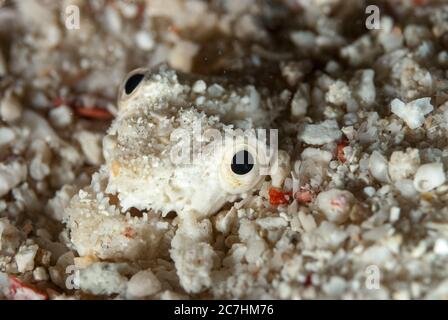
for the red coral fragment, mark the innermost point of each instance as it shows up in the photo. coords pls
(277, 197)
(340, 155)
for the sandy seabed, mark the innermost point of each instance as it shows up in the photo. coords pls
(358, 209)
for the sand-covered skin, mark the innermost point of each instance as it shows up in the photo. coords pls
(358, 209)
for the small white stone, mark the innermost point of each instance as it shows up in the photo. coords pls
(441, 247)
(144, 40)
(335, 204)
(303, 39)
(182, 55)
(11, 175)
(403, 165)
(299, 104)
(369, 191)
(319, 134)
(406, 188)
(215, 90)
(280, 169)
(394, 214)
(25, 258)
(271, 223)
(6, 136)
(40, 274)
(199, 86)
(338, 93)
(112, 19)
(10, 108)
(335, 287)
(429, 176)
(255, 249)
(366, 90)
(143, 283)
(91, 146)
(61, 116)
(307, 221)
(378, 166)
(413, 113)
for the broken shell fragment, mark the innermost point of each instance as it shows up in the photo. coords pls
(336, 204)
(429, 176)
(414, 112)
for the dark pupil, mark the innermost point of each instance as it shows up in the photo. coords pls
(242, 162)
(133, 82)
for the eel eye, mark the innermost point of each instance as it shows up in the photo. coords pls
(132, 82)
(242, 162)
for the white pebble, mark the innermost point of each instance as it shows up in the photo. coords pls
(128, 10)
(366, 90)
(369, 191)
(413, 113)
(335, 287)
(112, 19)
(143, 283)
(299, 104)
(91, 146)
(379, 167)
(7, 136)
(281, 169)
(11, 175)
(270, 223)
(335, 204)
(25, 258)
(10, 108)
(40, 274)
(406, 188)
(441, 247)
(319, 134)
(307, 221)
(61, 117)
(182, 55)
(199, 86)
(429, 176)
(144, 40)
(403, 165)
(394, 214)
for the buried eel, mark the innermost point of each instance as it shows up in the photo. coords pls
(179, 145)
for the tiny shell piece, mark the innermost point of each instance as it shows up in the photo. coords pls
(413, 113)
(429, 176)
